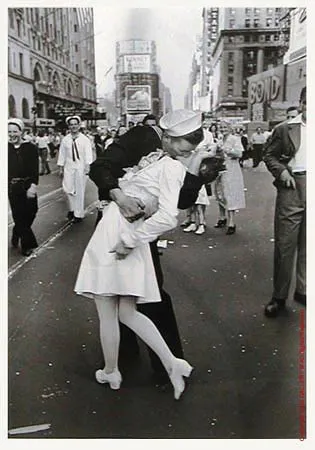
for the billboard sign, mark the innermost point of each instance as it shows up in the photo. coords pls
(138, 98)
(135, 46)
(136, 63)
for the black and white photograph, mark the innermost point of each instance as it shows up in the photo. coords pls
(155, 202)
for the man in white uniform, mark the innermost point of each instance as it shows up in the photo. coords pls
(74, 159)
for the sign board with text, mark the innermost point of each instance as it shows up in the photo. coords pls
(135, 63)
(134, 46)
(138, 98)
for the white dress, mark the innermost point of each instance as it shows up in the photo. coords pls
(229, 186)
(158, 185)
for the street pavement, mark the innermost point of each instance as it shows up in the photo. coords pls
(245, 383)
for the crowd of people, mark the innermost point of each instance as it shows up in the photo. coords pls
(145, 174)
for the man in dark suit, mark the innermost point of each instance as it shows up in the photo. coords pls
(105, 171)
(285, 157)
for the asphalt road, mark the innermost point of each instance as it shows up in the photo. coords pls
(245, 384)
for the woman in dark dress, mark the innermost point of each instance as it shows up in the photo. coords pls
(22, 186)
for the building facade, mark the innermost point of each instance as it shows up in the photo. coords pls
(248, 43)
(271, 92)
(51, 64)
(139, 90)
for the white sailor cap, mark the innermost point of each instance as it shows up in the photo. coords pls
(181, 122)
(18, 122)
(77, 118)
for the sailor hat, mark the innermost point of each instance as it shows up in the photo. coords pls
(181, 122)
(18, 122)
(77, 118)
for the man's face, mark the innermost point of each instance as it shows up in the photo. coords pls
(14, 133)
(291, 114)
(74, 126)
(177, 147)
(303, 107)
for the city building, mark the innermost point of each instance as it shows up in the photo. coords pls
(139, 90)
(248, 43)
(51, 65)
(271, 92)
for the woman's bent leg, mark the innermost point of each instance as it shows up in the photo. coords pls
(147, 331)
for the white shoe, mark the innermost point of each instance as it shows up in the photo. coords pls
(200, 230)
(113, 379)
(191, 227)
(180, 369)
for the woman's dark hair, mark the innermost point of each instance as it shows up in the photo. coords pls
(195, 137)
(210, 168)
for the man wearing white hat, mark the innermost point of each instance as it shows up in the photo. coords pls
(182, 131)
(74, 159)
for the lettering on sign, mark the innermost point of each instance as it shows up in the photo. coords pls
(264, 90)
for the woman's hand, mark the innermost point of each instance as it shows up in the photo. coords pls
(121, 250)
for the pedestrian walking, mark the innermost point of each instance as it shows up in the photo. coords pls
(42, 142)
(117, 269)
(285, 158)
(195, 215)
(22, 186)
(74, 159)
(105, 172)
(257, 141)
(244, 140)
(229, 186)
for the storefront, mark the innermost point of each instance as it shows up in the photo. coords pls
(266, 90)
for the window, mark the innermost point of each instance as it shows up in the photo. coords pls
(12, 106)
(38, 44)
(231, 56)
(248, 11)
(256, 11)
(276, 37)
(247, 23)
(75, 28)
(268, 22)
(11, 18)
(267, 38)
(77, 67)
(230, 79)
(21, 63)
(247, 38)
(232, 23)
(250, 54)
(232, 11)
(76, 48)
(269, 11)
(25, 109)
(276, 21)
(230, 68)
(256, 23)
(18, 27)
(231, 39)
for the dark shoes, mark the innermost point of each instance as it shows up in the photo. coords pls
(231, 230)
(77, 219)
(274, 307)
(70, 215)
(27, 252)
(300, 298)
(221, 223)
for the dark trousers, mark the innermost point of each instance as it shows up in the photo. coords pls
(162, 315)
(290, 238)
(257, 154)
(23, 212)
